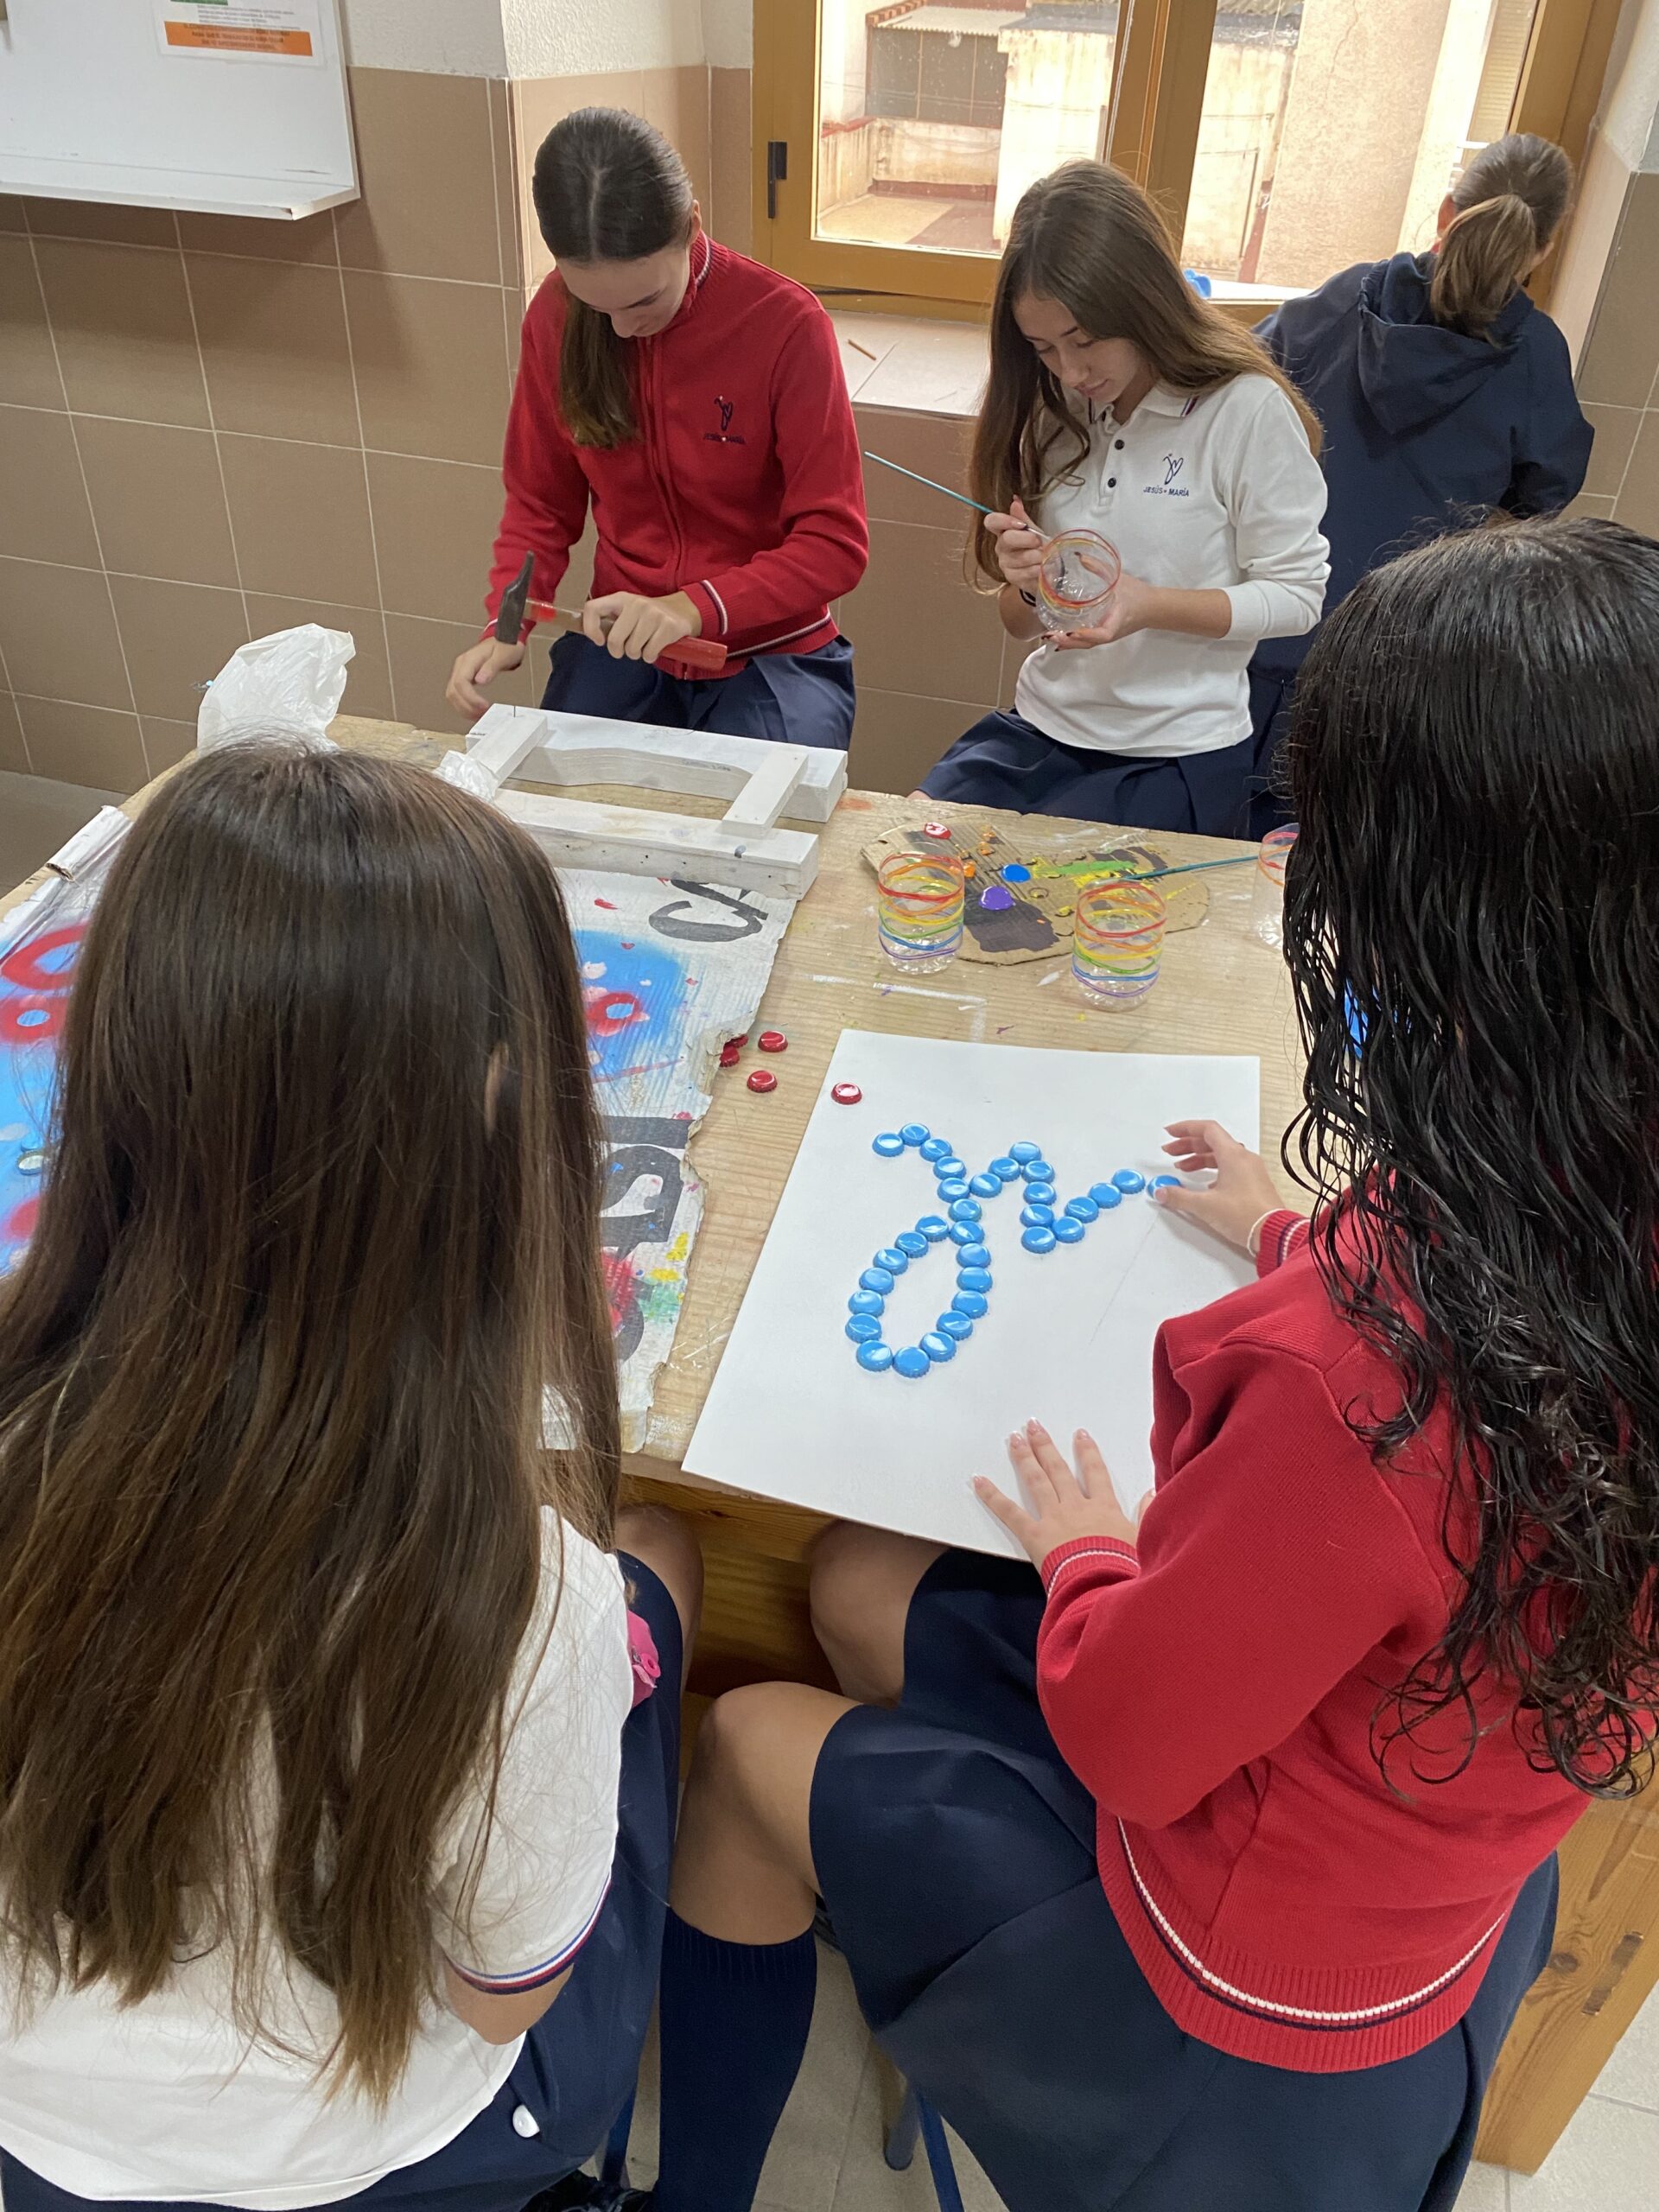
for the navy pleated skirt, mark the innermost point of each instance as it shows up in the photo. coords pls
(1004, 760)
(955, 1853)
(789, 698)
(579, 2062)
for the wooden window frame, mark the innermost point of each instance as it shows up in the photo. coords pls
(1151, 131)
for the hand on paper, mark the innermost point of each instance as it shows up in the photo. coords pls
(1241, 1196)
(1063, 1505)
(474, 669)
(1019, 547)
(630, 627)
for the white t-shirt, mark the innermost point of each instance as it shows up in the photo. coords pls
(1198, 491)
(169, 2100)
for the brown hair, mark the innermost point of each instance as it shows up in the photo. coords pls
(321, 1226)
(1089, 237)
(1509, 203)
(607, 187)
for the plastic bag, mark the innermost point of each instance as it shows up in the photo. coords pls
(289, 684)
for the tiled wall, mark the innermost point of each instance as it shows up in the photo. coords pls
(1619, 366)
(212, 428)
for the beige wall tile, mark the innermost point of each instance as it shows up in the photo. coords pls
(121, 320)
(158, 499)
(302, 520)
(1615, 429)
(1589, 503)
(176, 636)
(14, 751)
(540, 102)
(58, 635)
(428, 178)
(11, 213)
(936, 368)
(84, 745)
(92, 219)
(505, 165)
(28, 366)
(897, 736)
(273, 345)
(1581, 260)
(422, 654)
(1638, 499)
(43, 511)
(431, 367)
(676, 102)
(731, 171)
(435, 523)
(166, 743)
(914, 623)
(262, 238)
(368, 686)
(1621, 353)
(933, 445)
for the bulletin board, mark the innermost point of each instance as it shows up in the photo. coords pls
(227, 106)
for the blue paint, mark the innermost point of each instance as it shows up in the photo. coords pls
(1016, 872)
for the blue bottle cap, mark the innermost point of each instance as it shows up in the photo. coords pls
(950, 1169)
(937, 1346)
(955, 1325)
(964, 1209)
(1106, 1196)
(1033, 1217)
(974, 1255)
(933, 1226)
(866, 1301)
(983, 1186)
(911, 1242)
(911, 1361)
(1083, 1209)
(1068, 1230)
(1039, 1240)
(1127, 1180)
(934, 1148)
(889, 1144)
(1041, 1194)
(1038, 1171)
(875, 1358)
(875, 1279)
(965, 1232)
(973, 1303)
(953, 1188)
(1023, 1151)
(864, 1328)
(1164, 1183)
(914, 1133)
(1005, 1168)
(892, 1259)
(973, 1279)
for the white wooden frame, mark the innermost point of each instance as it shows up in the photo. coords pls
(745, 847)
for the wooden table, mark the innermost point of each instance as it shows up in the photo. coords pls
(1220, 992)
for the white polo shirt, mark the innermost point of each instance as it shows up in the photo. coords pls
(168, 2100)
(1216, 490)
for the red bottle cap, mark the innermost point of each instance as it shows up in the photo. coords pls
(728, 1054)
(774, 1041)
(935, 829)
(847, 1093)
(763, 1079)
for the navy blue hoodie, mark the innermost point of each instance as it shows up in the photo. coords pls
(1426, 430)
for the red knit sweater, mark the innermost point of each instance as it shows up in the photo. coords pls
(1214, 1688)
(743, 488)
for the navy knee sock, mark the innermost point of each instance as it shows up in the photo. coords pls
(734, 2021)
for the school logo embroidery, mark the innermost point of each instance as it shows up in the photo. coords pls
(725, 436)
(1171, 467)
(1169, 489)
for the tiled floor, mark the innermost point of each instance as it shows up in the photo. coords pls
(826, 2154)
(36, 816)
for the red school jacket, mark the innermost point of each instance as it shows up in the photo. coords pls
(1214, 1688)
(743, 488)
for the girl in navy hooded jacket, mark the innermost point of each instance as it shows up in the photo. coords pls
(1443, 393)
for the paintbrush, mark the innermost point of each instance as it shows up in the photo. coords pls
(961, 497)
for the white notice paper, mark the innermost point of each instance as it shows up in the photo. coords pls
(1068, 1334)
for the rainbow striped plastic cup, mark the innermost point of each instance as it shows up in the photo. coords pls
(1117, 942)
(918, 904)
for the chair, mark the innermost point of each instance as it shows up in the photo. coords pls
(916, 2117)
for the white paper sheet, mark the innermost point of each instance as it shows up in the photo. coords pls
(1068, 1338)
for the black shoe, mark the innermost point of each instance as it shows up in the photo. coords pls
(576, 2193)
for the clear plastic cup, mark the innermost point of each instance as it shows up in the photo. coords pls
(1267, 900)
(918, 906)
(1079, 574)
(1117, 942)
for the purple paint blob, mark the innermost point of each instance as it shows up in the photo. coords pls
(996, 899)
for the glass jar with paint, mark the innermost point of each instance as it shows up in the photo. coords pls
(918, 908)
(1117, 942)
(1267, 900)
(1078, 576)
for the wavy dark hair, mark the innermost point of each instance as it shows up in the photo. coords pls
(1474, 757)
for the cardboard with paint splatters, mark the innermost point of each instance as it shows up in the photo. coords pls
(1018, 903)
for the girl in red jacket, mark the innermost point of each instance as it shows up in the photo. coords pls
(1210, 1869)
(695, 401)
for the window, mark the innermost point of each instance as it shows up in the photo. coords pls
(1286, 139)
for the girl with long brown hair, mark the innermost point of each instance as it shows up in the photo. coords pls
(693, 402)
(1121, 403)
(1445, 394)
(316, 1693)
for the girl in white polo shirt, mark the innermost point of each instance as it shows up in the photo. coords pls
(1121, 402)
(334, 1813)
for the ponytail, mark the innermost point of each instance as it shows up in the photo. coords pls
(607, 187)
(1509, 203)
